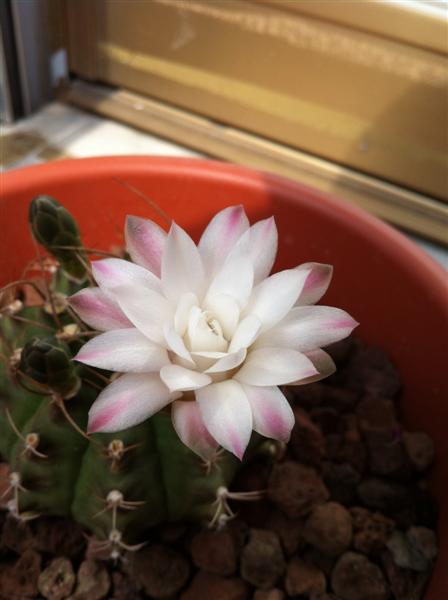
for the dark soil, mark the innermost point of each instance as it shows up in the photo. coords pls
(346, 515)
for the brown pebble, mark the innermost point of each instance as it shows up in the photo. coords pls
(272, 594)
(306, 396)
(420, 449)
(124, 587)
(329, 528)
(376, 413)
(161, 571)
(289, 531)
(295, 489)
(355, 577)
(58, 537)
(307, 442)
(207, 586)
(214, 552)
(304, 579)
(340, 399)
(20, 579)
(341, 480)
(93, 582)
(16, 536)
(262, 561)
(384, 495)
(371, 530)
(57, 580)
(386, 454)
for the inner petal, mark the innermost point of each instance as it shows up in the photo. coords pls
(204, 332)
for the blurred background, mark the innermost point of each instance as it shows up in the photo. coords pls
(350, 97)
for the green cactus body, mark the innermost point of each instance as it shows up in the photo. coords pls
(45, 398)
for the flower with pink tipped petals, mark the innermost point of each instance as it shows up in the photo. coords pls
(205, 329)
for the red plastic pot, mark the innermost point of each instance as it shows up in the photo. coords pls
(397, 293)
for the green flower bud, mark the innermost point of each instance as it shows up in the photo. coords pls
(55, 228)
(48, 363)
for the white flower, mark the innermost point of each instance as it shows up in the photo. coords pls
(206, 329)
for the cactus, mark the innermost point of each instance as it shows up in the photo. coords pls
(116, 485)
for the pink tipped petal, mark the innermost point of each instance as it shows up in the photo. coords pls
(226, 310)
(145, 242)
(189, 426)
(274, 366)
(127, 401)
(317, 282)
(98, 310)
(123, 350)
(274, 297)
(146, 309)
(324, 365)
(227, 415)
(309, 327)
(186, 303)
(234, 279)
(246, 333)
(229, 361)
(182, 269)
(271, 412)
(111, 273)
(180, 379)
(220, 236)
(176, 343)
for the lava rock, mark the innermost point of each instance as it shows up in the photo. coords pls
(306, 396)
(93, 582)
(214, 552)
(206, 586)
(16, 536)
(420, 449)
(262, 561)
(307, 442)
(329, 528)
(371, 530)
(295, 489)
(124, 587)
(355, 577)
(161, 571)
(387, 456)
(57, 580)
(304, 579)
(416, 549)
(376, 413)
(340, 399)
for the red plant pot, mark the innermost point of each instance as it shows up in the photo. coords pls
(397, 293)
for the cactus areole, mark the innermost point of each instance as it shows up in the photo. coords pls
(132, 387)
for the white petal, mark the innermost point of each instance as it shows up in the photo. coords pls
(145, 242)
(110, 273)
(189, 426)
(246, 333)
(99, 310)
(234, 279)
(260, 244)
(306, 328)
(204, 360)
(146, 309)
(229, 361)
(180, 379)
(176, 343)
(274, 297)
(274, 366)
(322, 362)
(317, 282)
(186, 302)
(123, 350)
(227, 415)
(271, 412)
(226, 310)
(182, 269)
(127, 401)
(220, 236)
(203, 336)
